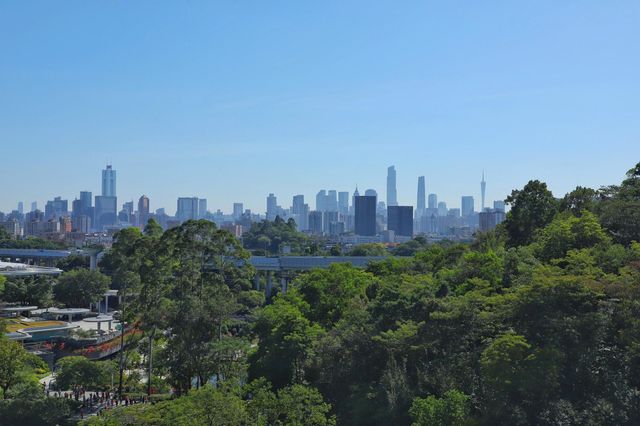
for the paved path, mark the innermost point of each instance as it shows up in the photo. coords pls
(94, 402)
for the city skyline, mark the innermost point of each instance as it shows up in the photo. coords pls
(444, 91)
(109, 183)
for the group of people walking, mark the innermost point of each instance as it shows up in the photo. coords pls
(97, 402)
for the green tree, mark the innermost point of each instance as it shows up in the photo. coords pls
(153, 229)
(255, 404)
(293, 405)
(330, 293)
(204, 276)
(450, 410)
(620, 210)
(122, 262)
(6, 241)
(410, 248)
(12, 359)
(152, 303)
(77, 372)
(36, 412)
(35, 290)
(75, 261)
(532, 208)
(285, 343)
(567, 232)
(80, 287)
(580, 199)
(370, 249)
(474, 268)
(272, 236)
(504, 370)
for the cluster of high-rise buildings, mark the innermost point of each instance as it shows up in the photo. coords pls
(337, 215)
(365, 218)
(89, 219)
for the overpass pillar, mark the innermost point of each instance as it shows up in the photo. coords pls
(256, 281)
(269, 288)
(284, 283)
(93, 261)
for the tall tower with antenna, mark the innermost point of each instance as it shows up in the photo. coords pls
(483, 187)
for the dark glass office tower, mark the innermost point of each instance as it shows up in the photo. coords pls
(400, 220)
(365, 212)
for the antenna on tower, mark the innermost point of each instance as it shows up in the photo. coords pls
(483, 187)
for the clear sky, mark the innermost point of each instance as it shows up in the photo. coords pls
(231, 100)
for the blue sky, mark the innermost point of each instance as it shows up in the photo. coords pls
(231, 100)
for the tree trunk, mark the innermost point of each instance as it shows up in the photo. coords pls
(122, 326)
(150, 360)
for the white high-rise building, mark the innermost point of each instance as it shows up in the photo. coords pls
(421, 205)
(343, 202)
(108, 182)
(483, 188)
(468, 205)
(433, 201)
(272, 207)
(392, 194)
(188, 208)
(238, 209)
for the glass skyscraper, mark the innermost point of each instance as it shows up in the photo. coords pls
(392, 194)
(365, 209)
(108, 182)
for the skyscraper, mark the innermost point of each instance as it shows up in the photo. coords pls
(392, 195)
(301, 212)
(187, 208)
(56, 208)
(298, 204)
(400, 220)
(420, 206)
(442, 208)
(108, 182)
(315, 222)
(483, 187)
(202, 208)
(489, 219)
(85, 212)
(21, 207)
(332, 200)
(433, 201)
(371, 193)
(106, 211)
(82, 224)
(34, 206)
(76, 208)
(128, 207)
(85, 202)
(343, 202)
(353, 201)
(238, 208)
(467, 205)
(143, 211)
(321, 200)
(127, 212)
(272, 207)
(328, 218)
(499, 205)
(365, 212)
